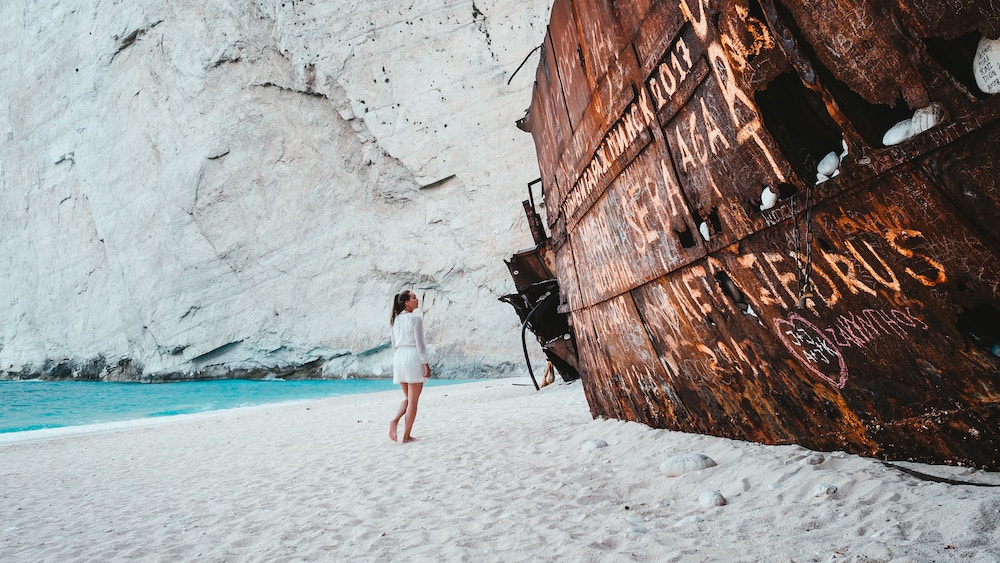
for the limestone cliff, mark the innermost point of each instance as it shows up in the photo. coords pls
(221, 188)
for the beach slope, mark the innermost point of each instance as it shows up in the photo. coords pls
(500, 472)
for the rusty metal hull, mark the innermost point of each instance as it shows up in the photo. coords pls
(855, 313)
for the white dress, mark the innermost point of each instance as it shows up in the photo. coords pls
(411, 354)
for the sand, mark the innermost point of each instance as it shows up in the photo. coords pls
(500, 472)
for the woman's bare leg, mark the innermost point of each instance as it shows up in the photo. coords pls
(412, 398)
(399, 414)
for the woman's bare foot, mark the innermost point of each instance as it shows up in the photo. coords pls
(392, 430)
(410, 439)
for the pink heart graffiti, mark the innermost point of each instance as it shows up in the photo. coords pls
(812, 348)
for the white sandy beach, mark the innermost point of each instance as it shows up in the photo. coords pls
(500, 472)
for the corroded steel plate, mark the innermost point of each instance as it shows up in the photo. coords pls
(859, 312)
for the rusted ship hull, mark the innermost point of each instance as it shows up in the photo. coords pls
(854, 313)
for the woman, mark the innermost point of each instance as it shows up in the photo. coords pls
(409, 364)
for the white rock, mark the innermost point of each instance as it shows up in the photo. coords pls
(693, 519)
(820, 178)
(591, 445)
(986, 65)
(709, 499)
(898, 133)
(828, 165)
(251, 187)
(684, 463)
(925, 118)
(843, 154)
(767, 198)
(703, 229)
(922, 120)
(824, 490)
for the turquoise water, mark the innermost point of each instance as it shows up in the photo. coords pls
(34, 405)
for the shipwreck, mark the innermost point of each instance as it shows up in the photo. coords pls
(774, 220)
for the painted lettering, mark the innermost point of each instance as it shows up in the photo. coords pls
(897, 236)
(890, 281)
(714, 132)
(619, 141)
(844, 268)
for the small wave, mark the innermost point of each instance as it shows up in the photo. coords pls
(26, 428)
(174, 412)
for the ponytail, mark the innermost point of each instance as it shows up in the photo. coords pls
(398, 304)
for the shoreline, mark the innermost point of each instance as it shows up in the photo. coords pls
(126, 424)
(111, 425)
(499, 472)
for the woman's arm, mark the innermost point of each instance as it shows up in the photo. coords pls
(418, 337)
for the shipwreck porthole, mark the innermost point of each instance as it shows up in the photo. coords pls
(871, 121)
(786, 190)
(715, 220)
(733, 292)
(798, 121)
(982, 324)
(686, 238)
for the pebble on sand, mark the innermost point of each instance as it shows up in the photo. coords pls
(684, 463)
(825, 490)
(708, 499)
(693, 519)
(591, 445)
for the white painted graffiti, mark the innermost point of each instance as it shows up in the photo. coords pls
(616, 143)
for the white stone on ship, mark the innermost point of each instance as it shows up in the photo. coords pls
(986, 65)
(828, 165)
(922, 120)
(767, 198)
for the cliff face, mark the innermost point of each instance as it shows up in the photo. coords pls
(218, 189)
